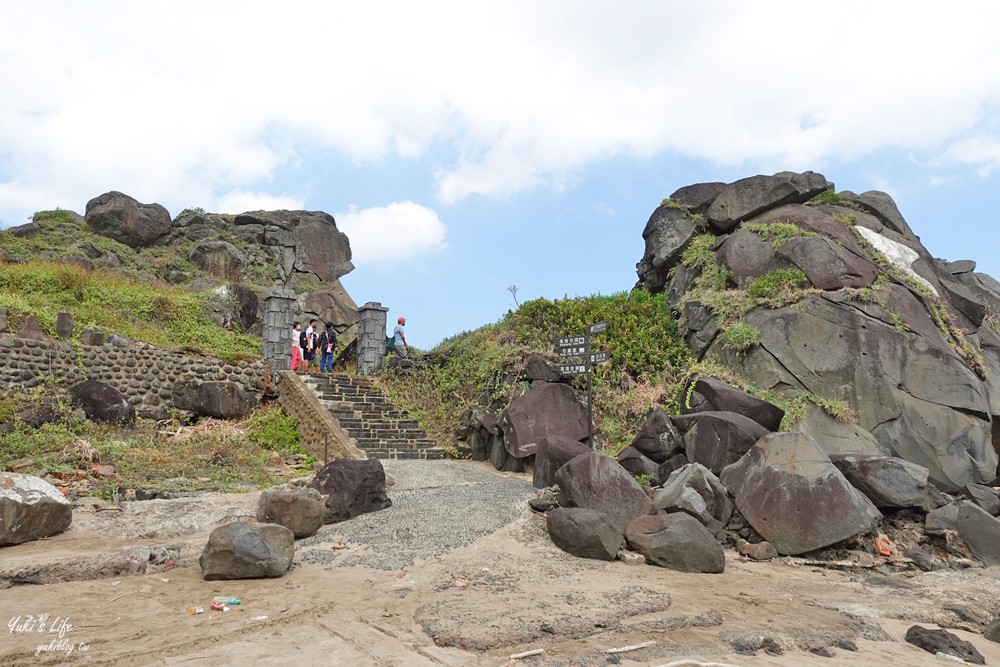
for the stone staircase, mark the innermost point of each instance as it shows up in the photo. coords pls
(371, 419)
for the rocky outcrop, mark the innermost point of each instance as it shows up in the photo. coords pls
(712, 395)
(244, 551)
(888, 481)
(847, 307)
(30, 509)
(122, 218)
(219, 259)
(694, 490)
(791, 494)
(717, 439)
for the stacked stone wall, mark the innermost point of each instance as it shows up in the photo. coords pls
(320, 434)
(144, 375)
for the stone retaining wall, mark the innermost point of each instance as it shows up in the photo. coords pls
(144, 375)
(316, 426)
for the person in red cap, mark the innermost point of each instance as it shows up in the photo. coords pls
(399, 338)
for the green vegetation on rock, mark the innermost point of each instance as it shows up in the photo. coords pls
(740, 336)
(777, 234)
(778, 285)
(482, 366)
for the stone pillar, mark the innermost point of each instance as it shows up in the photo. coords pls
(280, 308)
(64, 324)
(371, 338)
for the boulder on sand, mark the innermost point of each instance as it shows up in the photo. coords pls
(793, 495)
(548, 409)
(584, 532)
(352, 487)
(677, 542)
(240, 550)
(598, 482)
(552, 453)
(298, 509)
(30, 508)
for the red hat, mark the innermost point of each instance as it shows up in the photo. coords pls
(401, 320)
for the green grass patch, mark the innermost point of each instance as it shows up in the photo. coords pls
(157, 314)
(740, 336)
(776, 284)
(777, 234)
(830, 197)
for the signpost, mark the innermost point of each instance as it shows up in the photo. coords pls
(579, 346)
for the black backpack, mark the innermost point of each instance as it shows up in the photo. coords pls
(303, 341)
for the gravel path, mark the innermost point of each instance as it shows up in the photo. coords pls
(437, 506)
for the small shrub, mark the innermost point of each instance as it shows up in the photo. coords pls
(58, 215)
(777, 234)
(776, 283)
(829, 197)
(740, 336)
(646, 479)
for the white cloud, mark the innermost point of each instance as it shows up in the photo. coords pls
(182, 102)
(238, 201)
(385, 233)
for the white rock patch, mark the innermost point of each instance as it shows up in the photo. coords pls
(898, 254)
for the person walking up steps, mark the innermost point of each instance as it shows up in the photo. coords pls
(327, 345)
(399, 339)
(296, 349)
(308, 341)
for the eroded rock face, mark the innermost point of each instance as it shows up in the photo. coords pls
(695, 490)
(122, 218)
(30, 508)
(713, 395)
(352, 487)
(717, 439)
(748, 197)
(218, 258)
(981, 532)
(793, 495)
(584, 532)
(667, 234)
(244, 551)
(598, 482)
(548, 409)
(887, 481)
(658, 439)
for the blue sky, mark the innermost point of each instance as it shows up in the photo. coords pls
(465, 147)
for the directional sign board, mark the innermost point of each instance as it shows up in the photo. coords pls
(599, 357)
(599, 327)
(573, 351)
(572, 369)
(570, 341)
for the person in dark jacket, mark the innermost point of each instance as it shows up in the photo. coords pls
(327, 345)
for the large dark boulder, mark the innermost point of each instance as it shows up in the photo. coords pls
(300, 510)
(667, 234)
(882, 206)
(713, 395)
(243, 551)
(320, 248)
(223, 400)
(233, 306)
(553, 452)
(747, 197)
(658, 438)
(598, 482)
(936, 641)
(717, 439)
(791, 494)
(538, 369)
(636, 462)
(352, 487)
(985, 496)
(888, 481)
(125, 220)
(698, 197)
(676, 542)
(584, 532)
(102, 403)
(695, 490)
(981, 531)
(548, 409)
(30, 509)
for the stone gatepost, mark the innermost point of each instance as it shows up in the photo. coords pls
(371, 338)
(280, 309)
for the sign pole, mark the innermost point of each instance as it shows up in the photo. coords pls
(590, 410)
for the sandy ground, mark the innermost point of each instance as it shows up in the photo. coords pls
(523, 594)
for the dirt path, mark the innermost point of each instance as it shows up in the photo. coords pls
(523, 593)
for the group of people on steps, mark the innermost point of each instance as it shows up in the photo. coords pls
(305, 345)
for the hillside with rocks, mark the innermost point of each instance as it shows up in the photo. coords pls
(233, 260)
